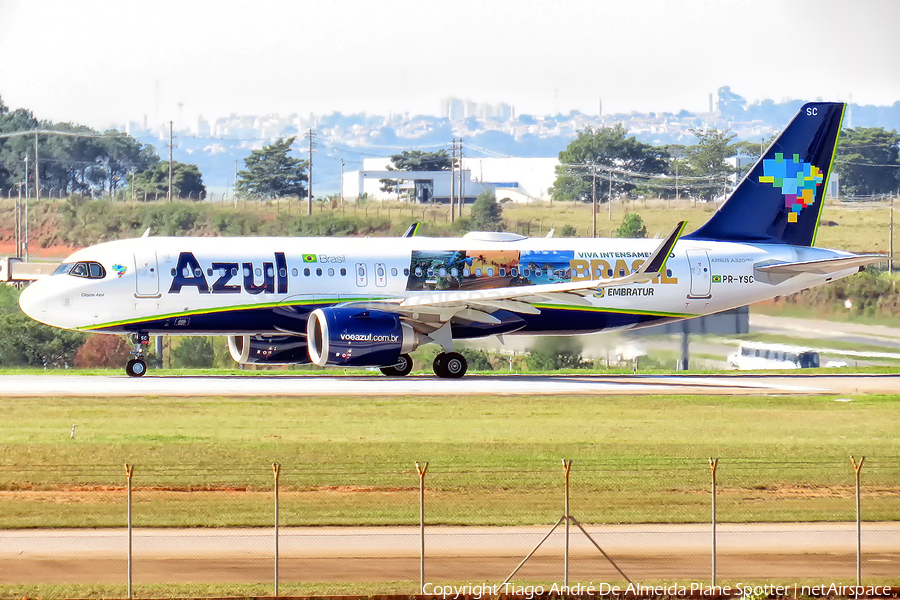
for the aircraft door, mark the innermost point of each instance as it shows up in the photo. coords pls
(701, 278)
(146, 274)
(361, 278)
(380, 275)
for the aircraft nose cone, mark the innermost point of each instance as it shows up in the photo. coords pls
(33, 303)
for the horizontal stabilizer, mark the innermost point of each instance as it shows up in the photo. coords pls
(824, 266)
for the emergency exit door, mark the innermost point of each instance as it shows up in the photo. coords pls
(701, 278)
(146, 274)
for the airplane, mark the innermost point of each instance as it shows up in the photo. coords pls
(370, 302)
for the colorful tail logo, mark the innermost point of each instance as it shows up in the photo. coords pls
(798, 181)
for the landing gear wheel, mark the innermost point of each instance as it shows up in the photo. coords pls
(450, 365)
(401, 368)
(135, 367)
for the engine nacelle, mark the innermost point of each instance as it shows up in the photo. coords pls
(268, 350)
(358, 338)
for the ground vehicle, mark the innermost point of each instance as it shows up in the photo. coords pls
(757, 355)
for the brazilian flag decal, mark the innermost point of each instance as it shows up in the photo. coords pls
(309, 258)
(717, 279)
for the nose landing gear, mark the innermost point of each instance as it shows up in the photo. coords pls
(137, 366)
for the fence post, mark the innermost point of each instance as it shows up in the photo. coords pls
(129, 472)
(421, 471)
(276, 471)
(567, 466)
(713, 465)
(857, 468)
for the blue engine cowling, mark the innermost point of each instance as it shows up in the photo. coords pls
(358, 338)
(268, 350)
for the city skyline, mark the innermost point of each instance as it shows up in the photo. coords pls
(100, 63)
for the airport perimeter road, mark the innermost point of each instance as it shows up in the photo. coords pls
(761, 552)
(326, 385)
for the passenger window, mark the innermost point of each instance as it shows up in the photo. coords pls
(318, 272)
(393, 272)
(478, 272)
(443, 272)
(306, 272)
(294, 272)
(502, 272)
(406, 272)
(466, 272)
(247, 271)
(514, 272)
(418, 271)
(537, 272)
(431, 272)
(526, 272)
(234, 271)
(490, 271)
(343, 272)
(258, 272)
(454, 271)
(331, 272)
(380, 271)
(282, 272)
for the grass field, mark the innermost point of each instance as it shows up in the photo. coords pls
(493, 460)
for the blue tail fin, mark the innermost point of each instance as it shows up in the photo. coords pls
(781, 198)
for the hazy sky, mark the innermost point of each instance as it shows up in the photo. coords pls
(98, 62)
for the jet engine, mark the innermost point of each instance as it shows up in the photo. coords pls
(358, 338)
(268, 350)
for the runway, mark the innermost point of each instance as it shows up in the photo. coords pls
(749, 552)
(331, 385)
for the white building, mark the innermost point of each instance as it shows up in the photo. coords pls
(515, 179)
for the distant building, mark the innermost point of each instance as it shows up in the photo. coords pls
(514, 179)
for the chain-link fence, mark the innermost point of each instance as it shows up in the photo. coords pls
(424, 527)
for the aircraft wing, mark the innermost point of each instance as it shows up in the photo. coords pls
(824, 266)
(476, 305)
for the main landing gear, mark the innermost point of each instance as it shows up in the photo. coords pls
(137, 366)
(401, 369)
(450, 365)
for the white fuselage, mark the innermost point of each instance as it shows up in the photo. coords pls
(181, 286)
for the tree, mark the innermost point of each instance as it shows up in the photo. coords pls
(414, 160)
(609, 147)
(867, 160)
(554, 353)
(632, 227)
(486, 213)
(194, 353)
(187, 181)
(417, 160)
(707, 159)
(271, 173)
(103, 351)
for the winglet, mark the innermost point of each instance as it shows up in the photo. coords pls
(657, 261)
(412, 230)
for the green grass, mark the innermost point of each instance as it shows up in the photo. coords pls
(493, 460)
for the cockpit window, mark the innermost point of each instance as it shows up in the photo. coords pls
(62, 269)
(90, 270)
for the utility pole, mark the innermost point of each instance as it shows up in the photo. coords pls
(462, 191)
(311, 135)
(594, 194)
(609, 199)
(26, 208)
(342, 181)
(171, 163)
(453, 181)
(37, 170)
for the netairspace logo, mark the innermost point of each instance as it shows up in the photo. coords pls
(369, 337)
